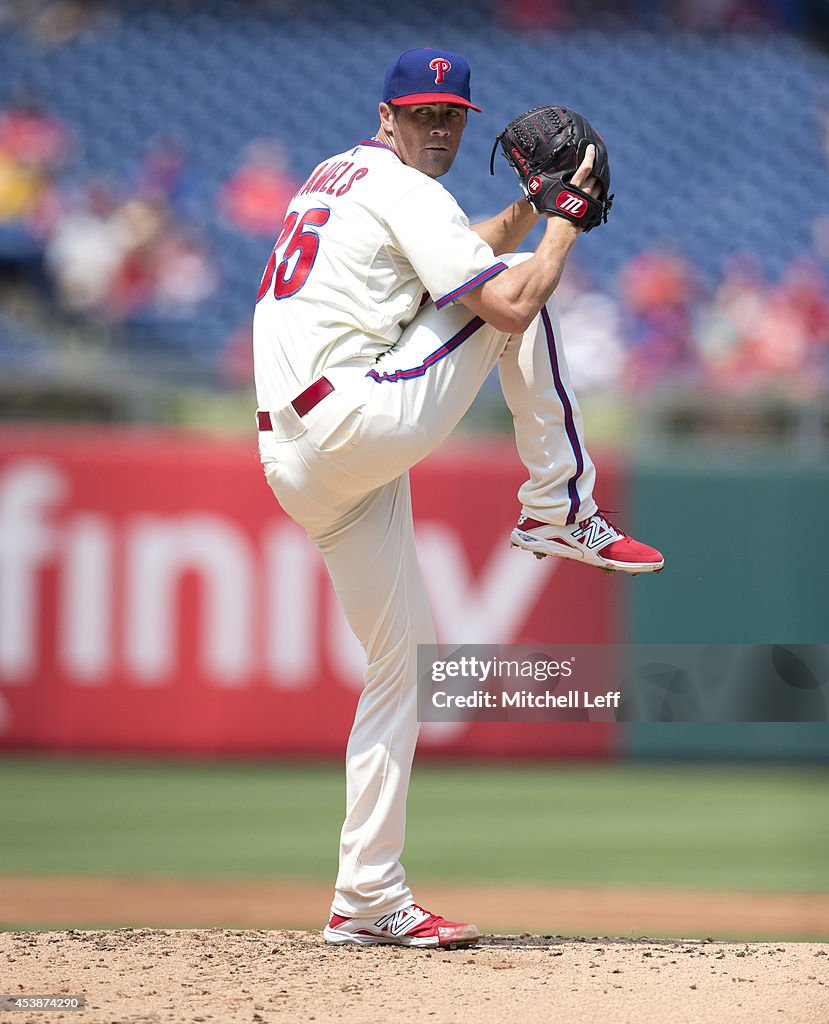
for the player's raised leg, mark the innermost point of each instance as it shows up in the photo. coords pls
(417, 393)
(559, 513)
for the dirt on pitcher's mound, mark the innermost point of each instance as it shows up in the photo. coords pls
(149, 976)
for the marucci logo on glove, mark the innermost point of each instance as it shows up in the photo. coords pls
(533, 185)
(569, 203)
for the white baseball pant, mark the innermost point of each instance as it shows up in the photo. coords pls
(341, 471)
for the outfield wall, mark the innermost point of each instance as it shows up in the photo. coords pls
(746, 565)
(154, 597)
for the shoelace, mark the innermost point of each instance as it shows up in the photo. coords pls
(605, 516)
(423, 910)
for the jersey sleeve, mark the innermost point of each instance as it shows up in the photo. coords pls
(433, 233)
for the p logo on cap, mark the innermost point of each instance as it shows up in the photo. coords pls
(440, 65)
(428, 76)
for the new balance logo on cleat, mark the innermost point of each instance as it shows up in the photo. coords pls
(595, 533)
(594, 541)
(402, 920)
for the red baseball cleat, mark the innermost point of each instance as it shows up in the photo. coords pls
(595, 541)
(411, 926)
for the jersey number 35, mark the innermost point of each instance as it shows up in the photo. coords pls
(297, 238)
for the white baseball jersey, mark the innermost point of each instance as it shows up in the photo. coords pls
(364, 237)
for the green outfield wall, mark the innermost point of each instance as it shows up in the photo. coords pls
(746, 563)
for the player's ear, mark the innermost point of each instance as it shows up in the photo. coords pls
(386, 112)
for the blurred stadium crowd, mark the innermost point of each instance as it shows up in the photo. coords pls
(148, 152)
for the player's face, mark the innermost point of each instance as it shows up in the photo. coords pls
(426, 137)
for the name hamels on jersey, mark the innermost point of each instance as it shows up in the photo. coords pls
(328, 178)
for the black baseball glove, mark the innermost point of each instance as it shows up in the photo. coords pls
(544, 147)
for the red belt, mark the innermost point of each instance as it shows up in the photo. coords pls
(303, 403)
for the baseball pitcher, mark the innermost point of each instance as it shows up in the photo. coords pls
(380, 314)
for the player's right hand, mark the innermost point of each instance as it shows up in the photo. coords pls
(582, 178)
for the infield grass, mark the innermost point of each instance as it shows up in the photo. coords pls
(682, 826)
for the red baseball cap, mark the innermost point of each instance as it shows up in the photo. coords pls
(428, 76)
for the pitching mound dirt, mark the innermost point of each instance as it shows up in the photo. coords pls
(145, 976)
